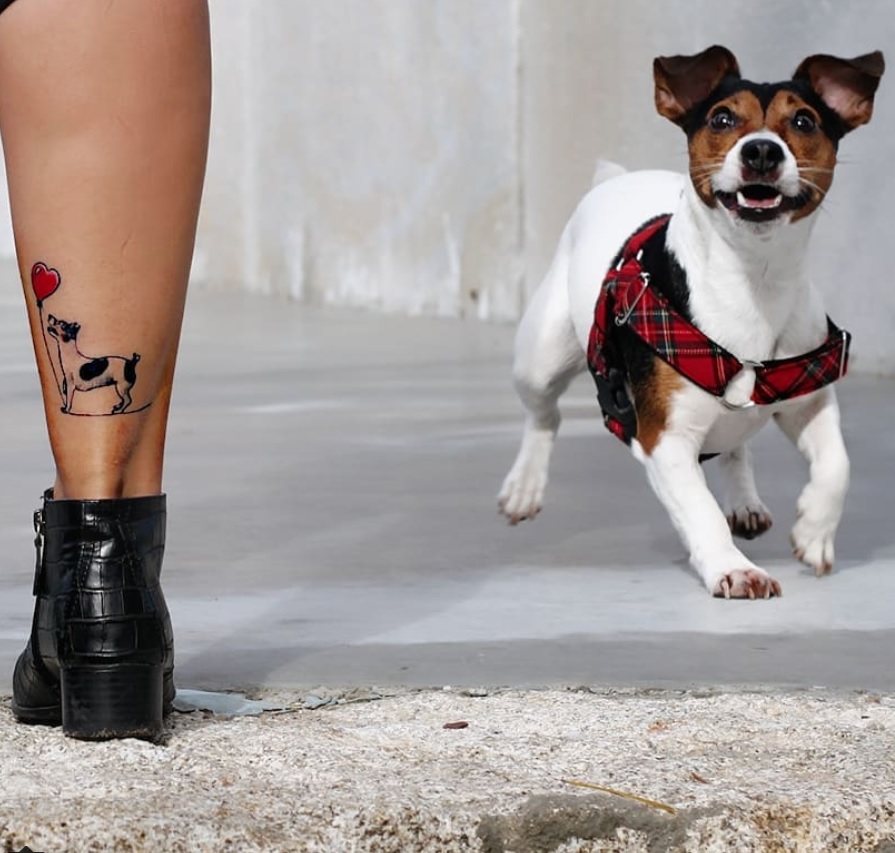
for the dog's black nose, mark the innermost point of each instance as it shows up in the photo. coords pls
(762, 155)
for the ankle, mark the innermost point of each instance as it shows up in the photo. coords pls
(104, 487)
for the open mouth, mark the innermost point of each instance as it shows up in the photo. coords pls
(759, 197)
(760, 202)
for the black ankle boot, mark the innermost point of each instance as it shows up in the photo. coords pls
(100, 660)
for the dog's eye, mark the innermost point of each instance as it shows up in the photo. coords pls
(804, 122)
(722, 119)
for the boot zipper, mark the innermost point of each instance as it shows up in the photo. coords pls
(39, 528)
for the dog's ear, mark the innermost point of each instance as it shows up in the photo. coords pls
(846, 86)
(684, 81)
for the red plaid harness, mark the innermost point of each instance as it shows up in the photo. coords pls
(626, 299)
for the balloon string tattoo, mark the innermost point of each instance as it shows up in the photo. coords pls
(45, 282)
(74, 371)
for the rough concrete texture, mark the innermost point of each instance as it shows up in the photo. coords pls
(378, 773)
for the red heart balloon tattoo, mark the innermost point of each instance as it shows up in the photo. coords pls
(44, 281)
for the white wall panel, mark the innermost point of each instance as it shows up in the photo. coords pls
(382, 139)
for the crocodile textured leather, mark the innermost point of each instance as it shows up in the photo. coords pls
(99, 601)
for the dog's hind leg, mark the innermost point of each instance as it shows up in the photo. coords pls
(547, 357)
(747, 516)
(124, 399)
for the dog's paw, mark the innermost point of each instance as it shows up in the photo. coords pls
(749, 521)
(521, 496)
(813, 544)
(746, 583)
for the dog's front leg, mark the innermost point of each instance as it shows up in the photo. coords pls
(813, 426)
(677, 478)
(68, 394)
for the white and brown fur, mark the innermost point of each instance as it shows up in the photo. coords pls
(79, 372)
(761, 161)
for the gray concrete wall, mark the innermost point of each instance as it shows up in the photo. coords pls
(381, 158)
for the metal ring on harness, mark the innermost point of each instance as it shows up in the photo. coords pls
(739, 407)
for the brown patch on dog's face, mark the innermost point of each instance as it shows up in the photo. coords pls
(798, 124)
(652, 401)
(726, 123)
(785, 117)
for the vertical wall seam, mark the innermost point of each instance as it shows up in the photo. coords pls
(520, 124)
(251, 232)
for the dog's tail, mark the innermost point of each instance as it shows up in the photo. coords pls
(606, 169)
(130, 368)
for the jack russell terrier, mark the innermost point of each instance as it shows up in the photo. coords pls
(706, 324)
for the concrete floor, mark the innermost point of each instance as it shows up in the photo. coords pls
(332, 520)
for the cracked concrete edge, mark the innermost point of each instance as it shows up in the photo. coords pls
(544, 824)
(599, 824)
(376, 774)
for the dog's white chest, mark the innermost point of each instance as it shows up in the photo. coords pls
(732, 429)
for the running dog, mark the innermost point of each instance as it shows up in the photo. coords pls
(687, 297)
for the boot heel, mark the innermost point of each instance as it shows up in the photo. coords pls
(112, 701)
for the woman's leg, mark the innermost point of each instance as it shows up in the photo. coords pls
(104, 112)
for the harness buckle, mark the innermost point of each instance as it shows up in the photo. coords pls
(623, 318)
(615, 403)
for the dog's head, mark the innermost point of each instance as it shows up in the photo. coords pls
(62, 330)
(764, 153)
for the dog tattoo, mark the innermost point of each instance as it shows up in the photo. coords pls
(81, 372)
(688, 297)
(74, 371)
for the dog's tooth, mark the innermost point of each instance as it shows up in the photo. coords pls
(756, 204)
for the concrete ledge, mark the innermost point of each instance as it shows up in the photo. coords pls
(750, 772)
